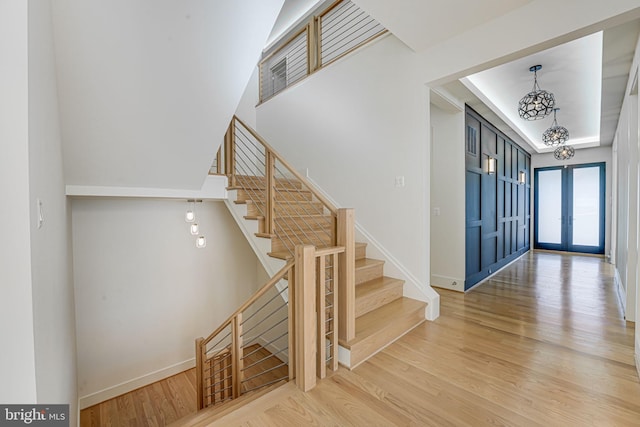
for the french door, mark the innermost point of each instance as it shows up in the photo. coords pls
(569, 208)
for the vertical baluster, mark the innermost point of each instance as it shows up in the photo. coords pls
(230, 152)
(270, 166)
(227, 374)
(200, 357)
(312, 45)
(219, 161)
(236, 355)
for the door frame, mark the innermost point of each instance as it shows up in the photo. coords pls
(567, 210)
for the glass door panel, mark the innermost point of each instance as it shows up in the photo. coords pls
(569, 208)
(586, 207)
(549, 215)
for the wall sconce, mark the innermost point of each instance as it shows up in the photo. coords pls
(491, 165)
(522, 177)
(201, 242)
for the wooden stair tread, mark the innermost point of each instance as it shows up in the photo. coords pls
(376, 284)
(382, 317)
(285, 255)
(213, 413)
(367, 262)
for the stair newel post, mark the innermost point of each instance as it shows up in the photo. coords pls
(270, 171)
(219, 160)
(236, 355)
(305, 312)
(346, 274)
(230, 153)
(200, 356)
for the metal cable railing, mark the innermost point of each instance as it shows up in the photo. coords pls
(251, 349)
(343, 28)
(254, 348)
(285, 66)
(336, 31)
(292, 213)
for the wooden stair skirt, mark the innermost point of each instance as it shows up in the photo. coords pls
(382, 314)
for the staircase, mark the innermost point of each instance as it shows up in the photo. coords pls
(382, 314)
(298, 215)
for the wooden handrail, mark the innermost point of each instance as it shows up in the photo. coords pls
(290, 168)
(275, 279)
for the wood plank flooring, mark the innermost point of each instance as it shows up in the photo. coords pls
(541, 344)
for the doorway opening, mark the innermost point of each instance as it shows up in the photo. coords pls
(569, 208)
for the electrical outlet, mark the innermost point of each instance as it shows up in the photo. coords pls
(399, 181)
(436, 211)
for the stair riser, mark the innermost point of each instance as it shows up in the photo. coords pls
(254, 209)
(384, 337)
(361, 252)
(384, 296)
(260, 183)
(297, 229)
(304, 222)
(371, 272)
(283, 196)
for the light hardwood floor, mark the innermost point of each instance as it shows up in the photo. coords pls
(541, 344)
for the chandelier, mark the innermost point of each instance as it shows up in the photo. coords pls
(555, 135)
(564, 152)
(538, 103)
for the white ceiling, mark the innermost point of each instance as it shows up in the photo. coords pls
(571, 71)
(587, 75)
(421, 24)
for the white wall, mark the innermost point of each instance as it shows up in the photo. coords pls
(17, 360)
(356, 125)
(144, 292)
(586, 155)
(447, 198)
(53, 301)
(148, 87)
(627, 198)
(246, 110)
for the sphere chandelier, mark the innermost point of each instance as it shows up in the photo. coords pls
(538, 103)
(564, 152)
(555, 135)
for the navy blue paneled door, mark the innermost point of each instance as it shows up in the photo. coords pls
(497, 207)
(569, 208)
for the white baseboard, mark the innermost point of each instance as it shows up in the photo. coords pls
(344, 356)
(638, 356)
(446, 282)
(622, 293)
(130, 385)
